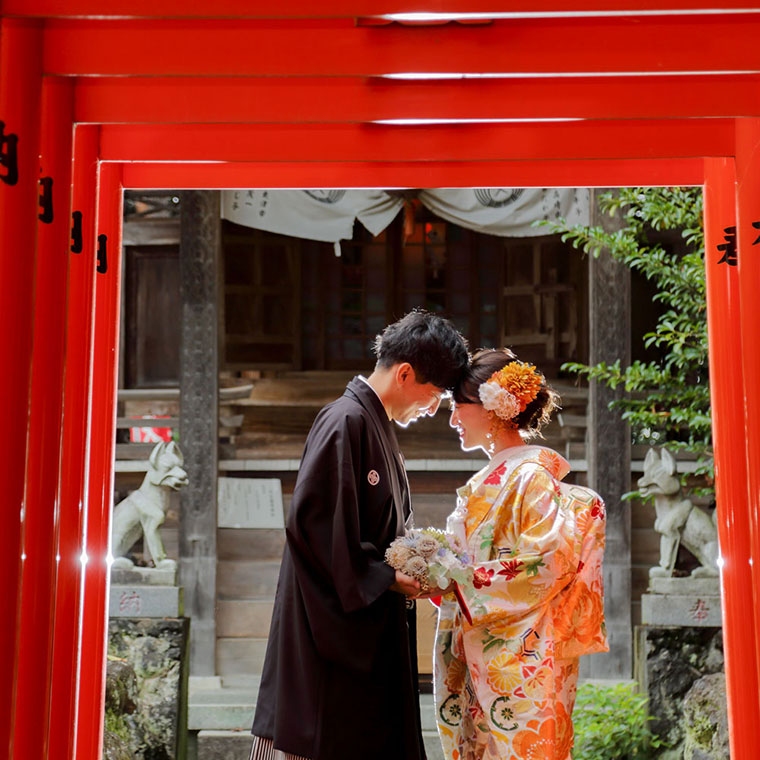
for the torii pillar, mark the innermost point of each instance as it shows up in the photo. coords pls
(732, 221)
(748, 332)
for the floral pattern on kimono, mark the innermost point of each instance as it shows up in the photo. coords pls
(505, 678)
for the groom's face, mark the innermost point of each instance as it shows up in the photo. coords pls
(417, 400)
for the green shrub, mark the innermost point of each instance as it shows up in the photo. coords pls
(611, 723)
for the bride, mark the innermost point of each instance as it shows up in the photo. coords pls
(506, 651)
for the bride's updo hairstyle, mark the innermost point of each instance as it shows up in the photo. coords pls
(542, 400)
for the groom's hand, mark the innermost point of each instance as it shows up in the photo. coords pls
(434, 592)
(406, 585)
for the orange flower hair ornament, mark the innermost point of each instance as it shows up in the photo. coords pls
(507, 392)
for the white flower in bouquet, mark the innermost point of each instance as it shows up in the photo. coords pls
(398, 554)
(427, 546)
(431, 556)
(417, 568)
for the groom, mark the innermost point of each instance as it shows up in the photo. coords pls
(340, 674)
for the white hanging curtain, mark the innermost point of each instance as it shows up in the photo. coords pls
(328, 215)
(325, 215)
(508, 211)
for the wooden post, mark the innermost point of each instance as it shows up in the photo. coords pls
(20, 86)
(200, 241)
(727, 401)
(609, 452)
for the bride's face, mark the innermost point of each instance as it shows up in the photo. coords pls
(473, 423)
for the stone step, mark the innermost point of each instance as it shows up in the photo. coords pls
(239, 618)
(220, 716)
(231, 707)
(237, 655)
(236, 745)
(250, 543)
(433, 748)
(223, 745)
(247, 579)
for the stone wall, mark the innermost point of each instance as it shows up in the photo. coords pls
(681, 669)
(157, 651)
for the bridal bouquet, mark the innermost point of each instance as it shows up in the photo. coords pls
(431, 556)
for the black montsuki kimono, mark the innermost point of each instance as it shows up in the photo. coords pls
(340, 674)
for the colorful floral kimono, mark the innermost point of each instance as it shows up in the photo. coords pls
(506, 652)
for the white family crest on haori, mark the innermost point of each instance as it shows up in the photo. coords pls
(144, 510)
(373, 477)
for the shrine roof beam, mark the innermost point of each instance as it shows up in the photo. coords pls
(523, 48)
(653, 138)
(346, 8)
(600, 173)
(104, 100)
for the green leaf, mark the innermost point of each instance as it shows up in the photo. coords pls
(666, 399)
(531, 568)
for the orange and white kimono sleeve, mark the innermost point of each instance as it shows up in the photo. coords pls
(501, 691)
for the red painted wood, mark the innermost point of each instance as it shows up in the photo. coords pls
(45, 423)
(338, 47)
(608, 173)
(76, 446)
(20, 84)
(727, 397)
(656, 138)
(92, 673)
(354, 155)
(131, 100)
(748, 214)
(334, 8)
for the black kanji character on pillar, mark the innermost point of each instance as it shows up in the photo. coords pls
(76, 232)
(46, 200)
(8, 156)
(729, 247)
(756, 225)
(102, 267)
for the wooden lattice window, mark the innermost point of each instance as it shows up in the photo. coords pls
(262, 288)
(544, 301)
(151, 305)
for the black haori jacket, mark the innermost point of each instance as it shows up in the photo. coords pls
(340, 674)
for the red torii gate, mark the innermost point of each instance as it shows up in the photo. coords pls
(162, 95)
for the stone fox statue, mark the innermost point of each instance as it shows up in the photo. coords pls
(678, 520)
(144, 510)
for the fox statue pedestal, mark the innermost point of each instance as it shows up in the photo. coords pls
(147, 629)
(144, 592)
(686, 601)
(679, 665)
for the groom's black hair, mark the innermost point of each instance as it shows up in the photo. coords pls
(431, 344)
